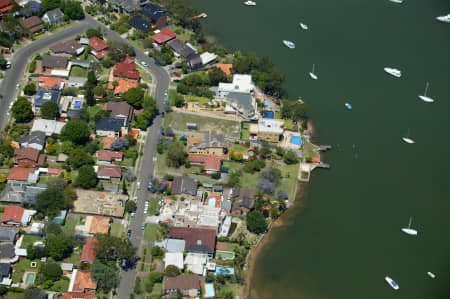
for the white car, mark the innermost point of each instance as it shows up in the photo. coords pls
(17, 86)
(139, 185)
(144, 63)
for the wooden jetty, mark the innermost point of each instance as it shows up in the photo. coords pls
(323, 148)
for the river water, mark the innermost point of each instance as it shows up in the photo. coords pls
(345, 236)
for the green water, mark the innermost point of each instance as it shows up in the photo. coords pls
(347, 237)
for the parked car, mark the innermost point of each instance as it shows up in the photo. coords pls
(165, 92)
(144, 63)
(150, 184)
(17, 86)
(143, 226)
(133, 214)
(139, 185)
(129, 233)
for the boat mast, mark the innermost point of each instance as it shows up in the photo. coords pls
(313, 68)
(410, 220)
(426, 89)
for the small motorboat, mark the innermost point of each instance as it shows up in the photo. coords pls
(289, 44)
(348, 106)
(394, 72)
(250, 3)
(392, 283)
(312, 74)
(431, 274)
(424, 97)
(397, 1)
(303, 26)
(445, 19)
(408, 140)
(408, 230)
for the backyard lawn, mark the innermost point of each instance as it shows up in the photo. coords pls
(25, 264)
(69, 226)
(78, 72)
(202, 101)
(116, 229)
(74, 258)
(92, 110)
(29, 240)
(238, 148)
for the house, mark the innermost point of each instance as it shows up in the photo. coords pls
(244, 201)
(123, 85)
(77, 81)
(88, 252)
(175, 259)
(48, 126)
(107, 141)
(184, 185)
(188, 285)
(225, 67)
(53, 16)
(198, 240)
(76, 295)
(119, 110)
(93, 225)
(207, 58)
(124, 6)
(111, 127)
(194, 61)
(270, 130)
(99, 203)
(139, 23)
(44, 96)
(163, 36)
(5, 274)
(8, 235)
(31, 8)
(211, 144)
(126, 70)
(98, 47)
(242, 104)
(33, 24)
(70, 47)
(50, 82)
(156, 14)
(35, 140)
(225, 227)
(16, 216)
(210, 163)
(241, 84)
(180, 48)
(82, 282)
(27, 156)
(22, 176)
(5, 6)
(54, 62)
(109, 173)
(172, 245)
(109, 157)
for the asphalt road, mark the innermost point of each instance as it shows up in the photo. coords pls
(8, 91)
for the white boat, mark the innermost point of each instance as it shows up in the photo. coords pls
(409, 230)
(431, 274)
(304, 26)
(407, 139)
(348, 106)
(424, 97)
(250, 3)
(394, 72)
(397, 1)
(445, 19)
(289, 44)
(392, 283)
(312, 75)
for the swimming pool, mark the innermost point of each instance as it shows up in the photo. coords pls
(209, 290)
(30, 278)
(226, 255)
(224, 271)
(297, 140)
(212, 202)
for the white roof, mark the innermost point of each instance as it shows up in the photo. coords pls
(174, 258)
(21, 252)
(241, 83)
(48, 126)
(196, 262)
(270, 125)
(84, 41)
(37, 227)
(61, 73)
(175, 245)
(27, 214)
(207, 57)
(208, 220)
(66, 266)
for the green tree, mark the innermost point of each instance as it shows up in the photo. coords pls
(92, 79)
(59, 246)
(130, 206)
(90, 100)
(156, 277)
(50, 202)
(22, 110)
(87, 178)
(34, 293)
(53, 228)
(51, 271)
(178, 100)
(144, 120)
(176, 154)
(30, 89)
(290, 157)
(111, 249)
(79, 157)
(49, 110)
(134, 97)
(265, 151)
(47, 5)
(106, 275)
(76, 131)
(256, 223)
(216, 76)
(172, 271)
(94, 32)
(3, 62)
(157, 252)
(73, 9)
(295, 110)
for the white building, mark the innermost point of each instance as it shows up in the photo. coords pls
(175, 259)
(225, 227)
(48, 126)
(241, 84)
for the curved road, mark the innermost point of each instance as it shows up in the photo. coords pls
(8, 91)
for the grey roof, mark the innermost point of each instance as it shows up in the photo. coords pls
(138, 22)
(8, 234)
(74, 114)
(175, 245)
(194, 61)
(34, 137)
(226, 205)
(81, 80)
(180, 47)
(82, 63)
(31, 193)
(153, 12)
(7, 251)
(13, 194)
(55, 15)
(46, 95)
(111, 124)
(5, 269)
(127, 5)
(244, 100)
(184, 185)
(54, 61)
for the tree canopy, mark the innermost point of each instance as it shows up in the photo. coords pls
(256, 222)
(22, 110)
(176, 154)
(51, 271)
(49, 110)
(59, 246)
(295, 110)
(72, 9)
(106, 276)
(94, 32)
(111, 249)
(87, 178)
(79, 157)
(76, 131)
(29, 89)
(290, 157)
(49, 202)
(134, 97)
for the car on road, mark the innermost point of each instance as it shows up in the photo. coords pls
(139, 185)
(143, 226)
(17, 86)
(150, 184)
(132, 215)
(129, 233)
(165, 92)
(144, 63)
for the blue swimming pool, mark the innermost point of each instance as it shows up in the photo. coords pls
(297, 140)
(212, 202)
(30, 278)
(209, 290)
(267, 103)
(224, 271)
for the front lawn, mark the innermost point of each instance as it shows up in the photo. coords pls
(116, 229)
(74, 258)
(202, 101)
(153, 206)
(151, 232)
(78, 72)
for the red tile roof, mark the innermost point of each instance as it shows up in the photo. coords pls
(26, 153)
(74, 295)
(50, 82)
(164, 36)
(128, 60)
(109, 156)
(226, 68)
(55, 171)
(84, 281)
(88, 253)
(112, 172)
(14, 213)
(4, 3)
(97, 44)
(195, 238)
(126, 70)
(315, 159)
(106, 141)
(208, 162)
(101, 54)
(19, 174)
(123, 85)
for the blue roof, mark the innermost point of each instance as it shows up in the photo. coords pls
(46, 95)
(268, 114)
(77, 104)
(139, 23)
(209, 290)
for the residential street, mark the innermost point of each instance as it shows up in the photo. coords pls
(161, 79)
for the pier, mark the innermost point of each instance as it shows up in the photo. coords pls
(323, 148)
(323, 165)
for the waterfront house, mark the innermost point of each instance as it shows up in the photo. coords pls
(139, 23)
(194, 61)
(244, 201)
(180, 48)
(53, 16)
(88, 252)
(164, 36)
(270, 130)
(33, 24)
(156, 14)
(198, 240)
(188, 285)
(27, 156)
(35, 140)
(110, 174)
